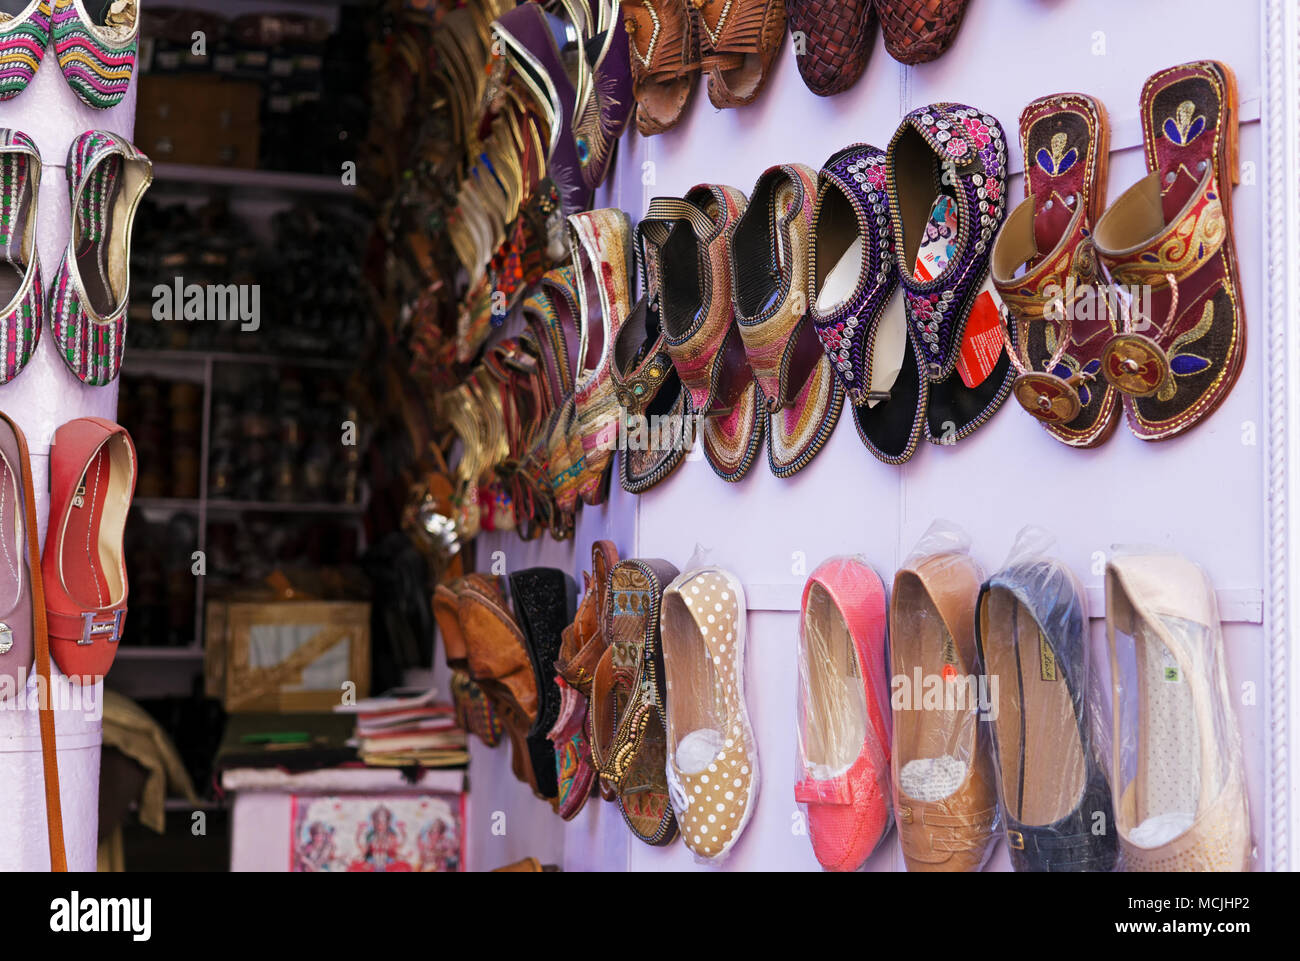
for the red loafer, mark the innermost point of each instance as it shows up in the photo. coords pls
(92, 480)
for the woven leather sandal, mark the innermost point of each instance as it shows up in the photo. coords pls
(663, 38)
(917, 31)
(833, 40)
(739, 39)
(1060, 336)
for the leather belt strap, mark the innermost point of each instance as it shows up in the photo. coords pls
(49, 749)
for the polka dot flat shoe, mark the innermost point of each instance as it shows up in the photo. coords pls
(96, 43)
(712, 753)
(20, 285)
(24, 35)
(107, 177)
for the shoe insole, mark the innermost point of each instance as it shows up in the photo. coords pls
(83, 571)
(11, 547)
(1169, 755)
(696, 713)
(834, 702)
(1040, 755)
(94, 234)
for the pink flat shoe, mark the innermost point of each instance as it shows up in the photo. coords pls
(844, 719)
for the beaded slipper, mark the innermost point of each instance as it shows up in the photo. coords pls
(918, 31)
(1176, 770)
(843, 714)
(700, 330)
(833, 40)
(856, 307)
(601, 244)
(946, 170)
(664, 42)
(96, 41)
(22, 291)
(627, 701)
(1031, 629)
(1061, 322)
(1170, 236)
(739, 39)
(712, 752)
(24, 35)
(769, 265)
(89, 295)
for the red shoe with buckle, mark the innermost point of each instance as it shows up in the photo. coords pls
(92, 480)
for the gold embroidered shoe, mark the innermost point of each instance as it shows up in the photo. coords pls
(712, 753)
(769, 269)
(1169, 239)
(700, 330)
(1061, 322)
(601, 244)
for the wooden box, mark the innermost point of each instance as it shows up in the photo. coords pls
(286, 655)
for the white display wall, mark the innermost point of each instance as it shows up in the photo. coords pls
(1204, 494)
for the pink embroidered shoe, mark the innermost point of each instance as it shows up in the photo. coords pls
(21, 291)
(96, 42)
(24, 35)
(107, 176)
(844, 718)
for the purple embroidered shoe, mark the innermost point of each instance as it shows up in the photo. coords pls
(946, 179)
(855, 304)
(21, 291)
(107, 177)
(604, 98)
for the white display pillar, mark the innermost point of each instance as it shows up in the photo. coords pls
(42, 398)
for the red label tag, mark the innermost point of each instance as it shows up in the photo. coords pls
(982, 344)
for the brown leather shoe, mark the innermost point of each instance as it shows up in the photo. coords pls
(664, 42)
(944, 793)
(739, 39)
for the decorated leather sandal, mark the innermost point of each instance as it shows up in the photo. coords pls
(601, 242)
(843, 713)
(1176, 767)
(769, 264)
(90, 292)
(24, 35)
(604, 96)
(582, 644)
(856, 307)
(92, 480)
(627, 701)
(475, 711)
(700, 330)
(1032, 631)
(96, 43)
(945, 799)
(739, 39)
(712, 752)
(21, 291)
(664, 42)
(543, 599)
(832, 41)
(1061, 318)
(918, 31)
(651, 401)
(943, 241)
(1170, 236)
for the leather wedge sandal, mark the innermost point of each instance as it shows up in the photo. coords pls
(856, 307)
(627, 701)
(1062, 320)
(945, 798)
(712, 752)
(844, 714)
(663, 38)
(1032, 630)
(943, 237)
(601, 241)
(1176, 767)
(92, 480)
(543, 599)
(1170, 237)
(769, 274)
(700, 330)
(739, 39)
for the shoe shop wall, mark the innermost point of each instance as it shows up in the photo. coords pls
(1200, 494)
(46, 396)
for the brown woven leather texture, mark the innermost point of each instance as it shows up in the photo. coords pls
(917, 31)
(837, 40)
